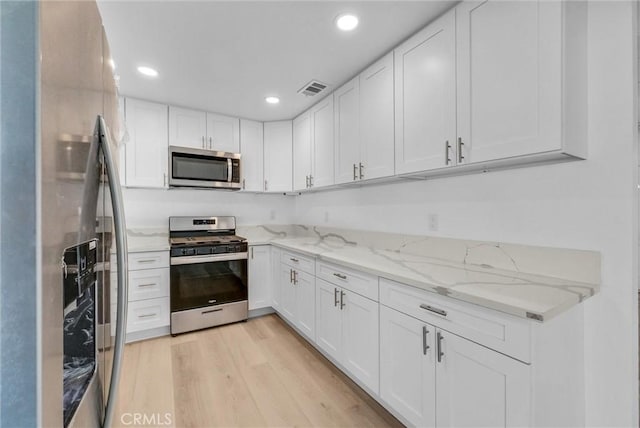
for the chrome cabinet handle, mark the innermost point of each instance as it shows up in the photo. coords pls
(355, 172)
(243, 184)
(147, 315)
(447, 148)
(460, 144)
(120, 233)
(434, 310)
(294, 260)
(251, 253)
(164, 179)
(439, 339)
(151, 284)
(425, 346)
(339, 275)
(210, 143)
(291, 276)
(295, 277)
(266, 187)
(335, 297)
(147, 261)
(342, 304)
(306, 178)
(361, 173)
(311, 181)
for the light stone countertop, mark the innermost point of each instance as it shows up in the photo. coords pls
(521, 294)
(528, 282)
(143, 240)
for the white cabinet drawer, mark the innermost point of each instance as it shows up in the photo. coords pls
(358, 282)
(298, 261)
(150, 260)
(501, 332)
(148, 284)
(147, 314)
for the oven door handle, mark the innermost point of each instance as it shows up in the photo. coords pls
(189, 260)
(229, 171)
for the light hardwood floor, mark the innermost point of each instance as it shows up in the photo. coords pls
(253, 374)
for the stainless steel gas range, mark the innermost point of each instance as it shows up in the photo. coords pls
(208, 273)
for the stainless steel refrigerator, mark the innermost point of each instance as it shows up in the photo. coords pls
(63, 258)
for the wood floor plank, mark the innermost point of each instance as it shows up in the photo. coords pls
(154, 390)
(254, 374)
(244, 350)
(277, 406)
(258, 330)
(312, 368)
(191, 389)
(229, 391)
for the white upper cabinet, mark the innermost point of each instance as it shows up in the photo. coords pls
(278, 157)
(147, 148)
(223, 133)
(347, 131)
(364, 122)
(251, 163)
(301, 151)
(377, 119)
(201, 130)
(322, 143)
(187, 128)
(425, 98)
(509, 78)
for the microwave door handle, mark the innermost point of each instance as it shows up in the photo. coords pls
(229, 171)
(121, 255)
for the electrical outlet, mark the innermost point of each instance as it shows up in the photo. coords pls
(433, 222)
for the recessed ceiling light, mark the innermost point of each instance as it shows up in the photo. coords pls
(272, 100)
(347, 22)
(148, 71)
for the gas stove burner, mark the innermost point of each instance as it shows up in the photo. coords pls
(206, 240)
(204, 236)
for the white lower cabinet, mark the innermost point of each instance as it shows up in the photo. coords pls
(434, 361)
(328, 319)
(287, 293)
(259, 276)
(407, 367)
(275, 277)
(305, 306)
(435, 378)
(147, 314)
(477, 386)
(297, 295)
(346, 329)
(148, 294)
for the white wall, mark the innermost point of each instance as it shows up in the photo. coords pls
(146, 208)
(585, 205)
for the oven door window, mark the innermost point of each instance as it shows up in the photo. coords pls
(204, 284)
(200, 168)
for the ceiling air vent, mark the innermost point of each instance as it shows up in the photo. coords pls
(312, 88)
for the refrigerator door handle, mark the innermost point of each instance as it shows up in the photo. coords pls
(121, 255)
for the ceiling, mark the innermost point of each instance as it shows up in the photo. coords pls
(227, 56)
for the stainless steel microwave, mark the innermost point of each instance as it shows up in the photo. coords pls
(190, 167)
